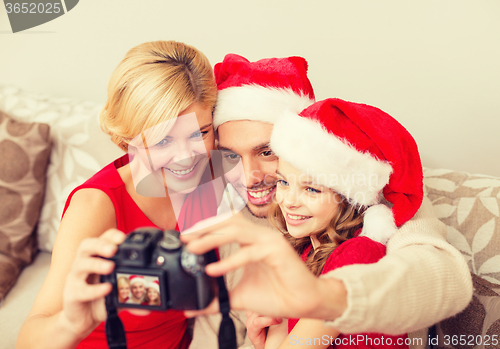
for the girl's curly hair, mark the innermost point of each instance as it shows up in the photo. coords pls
(344, 224)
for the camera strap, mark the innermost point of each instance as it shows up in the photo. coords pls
(227, 331)
(115, 333)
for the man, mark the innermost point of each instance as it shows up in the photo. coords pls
(137, 289)
(414, 286)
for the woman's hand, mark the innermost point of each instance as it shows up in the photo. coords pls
(83, 295)
(257, 326)
(275, 281)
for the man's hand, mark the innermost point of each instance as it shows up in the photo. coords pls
(275, 281)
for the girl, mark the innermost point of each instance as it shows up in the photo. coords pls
(153, 294)
(335, 161)
(156, 84)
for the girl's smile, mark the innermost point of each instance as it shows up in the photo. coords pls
(307, 207)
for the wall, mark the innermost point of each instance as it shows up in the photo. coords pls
(433, 65)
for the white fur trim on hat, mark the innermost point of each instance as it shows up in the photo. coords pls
(331, 162)
(257, 103)
(378, 223)
(154, 285)
(136, 279)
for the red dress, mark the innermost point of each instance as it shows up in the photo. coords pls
(158, 329)
(358, 250)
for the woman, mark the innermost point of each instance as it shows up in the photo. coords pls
(156, 82)
(123, 289)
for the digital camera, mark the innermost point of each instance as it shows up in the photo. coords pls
(155, 271)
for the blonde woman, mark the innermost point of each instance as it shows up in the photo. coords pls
(156, 82)
(123, 289)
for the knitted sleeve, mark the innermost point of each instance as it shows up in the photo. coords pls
(422, 280)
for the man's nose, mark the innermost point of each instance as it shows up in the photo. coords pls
(253, 173)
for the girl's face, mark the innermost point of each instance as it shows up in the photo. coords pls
(153, 295)
(308, 208)
(178, 160)
(123, 292)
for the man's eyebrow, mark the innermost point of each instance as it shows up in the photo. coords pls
(261, 147)
(222, 148)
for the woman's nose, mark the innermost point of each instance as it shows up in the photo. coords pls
(184, 153)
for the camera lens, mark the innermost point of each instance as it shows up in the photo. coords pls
(132, 255)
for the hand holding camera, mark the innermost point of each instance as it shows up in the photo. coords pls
(160, 273)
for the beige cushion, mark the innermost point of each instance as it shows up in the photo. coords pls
(25, 149)
(469, 206)
(79, 149)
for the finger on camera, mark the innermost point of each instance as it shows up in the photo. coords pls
(243, 257)
(88, 293)
(82, 267)
(96, 247)
(113, 236)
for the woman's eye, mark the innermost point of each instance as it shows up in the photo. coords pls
(267, 153)
(282, 182)
(163, 142)
(199, 134)
(312, 190)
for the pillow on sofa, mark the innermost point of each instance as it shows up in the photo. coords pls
(469, 207)
(25, 149)
(79, 148)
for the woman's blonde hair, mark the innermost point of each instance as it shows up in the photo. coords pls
(154, 83)
(345, 222)
(122, 280)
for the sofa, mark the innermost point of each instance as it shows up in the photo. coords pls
(62, 145)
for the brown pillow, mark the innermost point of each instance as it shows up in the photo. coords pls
(25, 151)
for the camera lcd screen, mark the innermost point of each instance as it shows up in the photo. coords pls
(138, 289)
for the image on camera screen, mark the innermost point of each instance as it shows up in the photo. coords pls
(138, 289)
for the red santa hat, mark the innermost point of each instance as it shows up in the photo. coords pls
(360, 152)
(136, 279)
(261, 90)
(154, 285)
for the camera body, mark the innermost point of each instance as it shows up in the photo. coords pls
(160, 273)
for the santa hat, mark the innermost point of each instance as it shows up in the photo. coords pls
(136, 279)
(154, 285)
(360, 152)
(261, 90)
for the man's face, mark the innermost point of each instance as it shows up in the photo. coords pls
(137, 290)
(249, 141)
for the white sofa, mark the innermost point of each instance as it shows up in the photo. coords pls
(467, 204)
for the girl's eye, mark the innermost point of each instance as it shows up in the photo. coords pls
(282, 182)
(312, 190)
